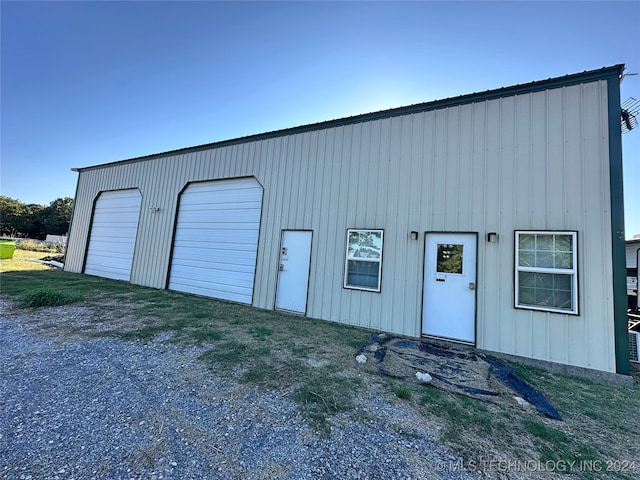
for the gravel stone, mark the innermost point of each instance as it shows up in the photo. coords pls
(112, 409)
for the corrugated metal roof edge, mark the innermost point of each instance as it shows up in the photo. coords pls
(566, 80)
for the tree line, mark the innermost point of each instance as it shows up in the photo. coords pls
(34, 221)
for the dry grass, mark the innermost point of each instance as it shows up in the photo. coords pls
(23, 261)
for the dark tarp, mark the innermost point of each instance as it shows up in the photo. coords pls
(456, 370)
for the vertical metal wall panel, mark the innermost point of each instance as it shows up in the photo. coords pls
(532, 161)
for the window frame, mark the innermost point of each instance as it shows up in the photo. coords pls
(348, 258)
(573, 271)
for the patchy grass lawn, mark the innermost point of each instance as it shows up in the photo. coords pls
(22, 261)
(314, 361)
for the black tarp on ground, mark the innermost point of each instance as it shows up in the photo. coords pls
(455, 370)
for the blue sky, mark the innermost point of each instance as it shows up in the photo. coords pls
(84, 83)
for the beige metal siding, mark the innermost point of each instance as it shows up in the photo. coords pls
(531, 161)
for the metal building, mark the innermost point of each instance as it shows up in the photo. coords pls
(633, 265)
(493, 219)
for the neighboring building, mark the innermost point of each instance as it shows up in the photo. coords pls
(494, 219)
(633, 264)
(56, 239)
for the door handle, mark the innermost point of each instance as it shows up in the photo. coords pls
(472, 286)
(281, 267)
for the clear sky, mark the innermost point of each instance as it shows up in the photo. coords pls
(84, 83)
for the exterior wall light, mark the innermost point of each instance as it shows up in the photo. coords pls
(154, 209)
(413, 235)
(492, 237)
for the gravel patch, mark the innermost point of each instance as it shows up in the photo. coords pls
(112, 409)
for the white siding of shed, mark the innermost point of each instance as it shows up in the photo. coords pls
(534, 161)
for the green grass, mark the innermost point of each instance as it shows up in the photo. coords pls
(324, 395)
(49, 297)
(313, 361)
(403, 392)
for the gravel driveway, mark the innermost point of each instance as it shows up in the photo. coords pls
(112, 409)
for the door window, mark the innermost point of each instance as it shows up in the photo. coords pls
(449, 258)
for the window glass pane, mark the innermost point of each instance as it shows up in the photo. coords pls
(526, 296)
(544, 297)
(449, 258)
(365, 244)
(562, 282)
(363, 274)
(563, 260)
(562, 299)
(544, 259)
(527, 242)
(527, 279)
(527, 258)
(543, 280)
(564, 243)
(544, 242)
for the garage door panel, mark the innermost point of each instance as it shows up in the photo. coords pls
(216, 239)
(201, 274)
(99, 253)
(224, 262)
(218, 212)
(113, 234)
(205, 282)
(124, 204)
(107, 264)
(220, 235)
(238, 229)
(224, 292)
(237, 186)
(241, 202)
(115, 219)
(235, 196)
(203, 250)
(217, 217)
(126, 234)
(248, 203)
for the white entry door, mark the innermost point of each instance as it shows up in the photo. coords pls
(449, 302)
(293, 271)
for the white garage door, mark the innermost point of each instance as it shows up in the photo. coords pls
(216, 240)
(113, 234)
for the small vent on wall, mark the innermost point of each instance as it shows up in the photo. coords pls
(629, 110)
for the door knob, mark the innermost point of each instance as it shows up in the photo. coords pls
(281, 267)
(472, 286)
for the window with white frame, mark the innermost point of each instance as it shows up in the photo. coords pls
(363, 266)
(546, 273)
